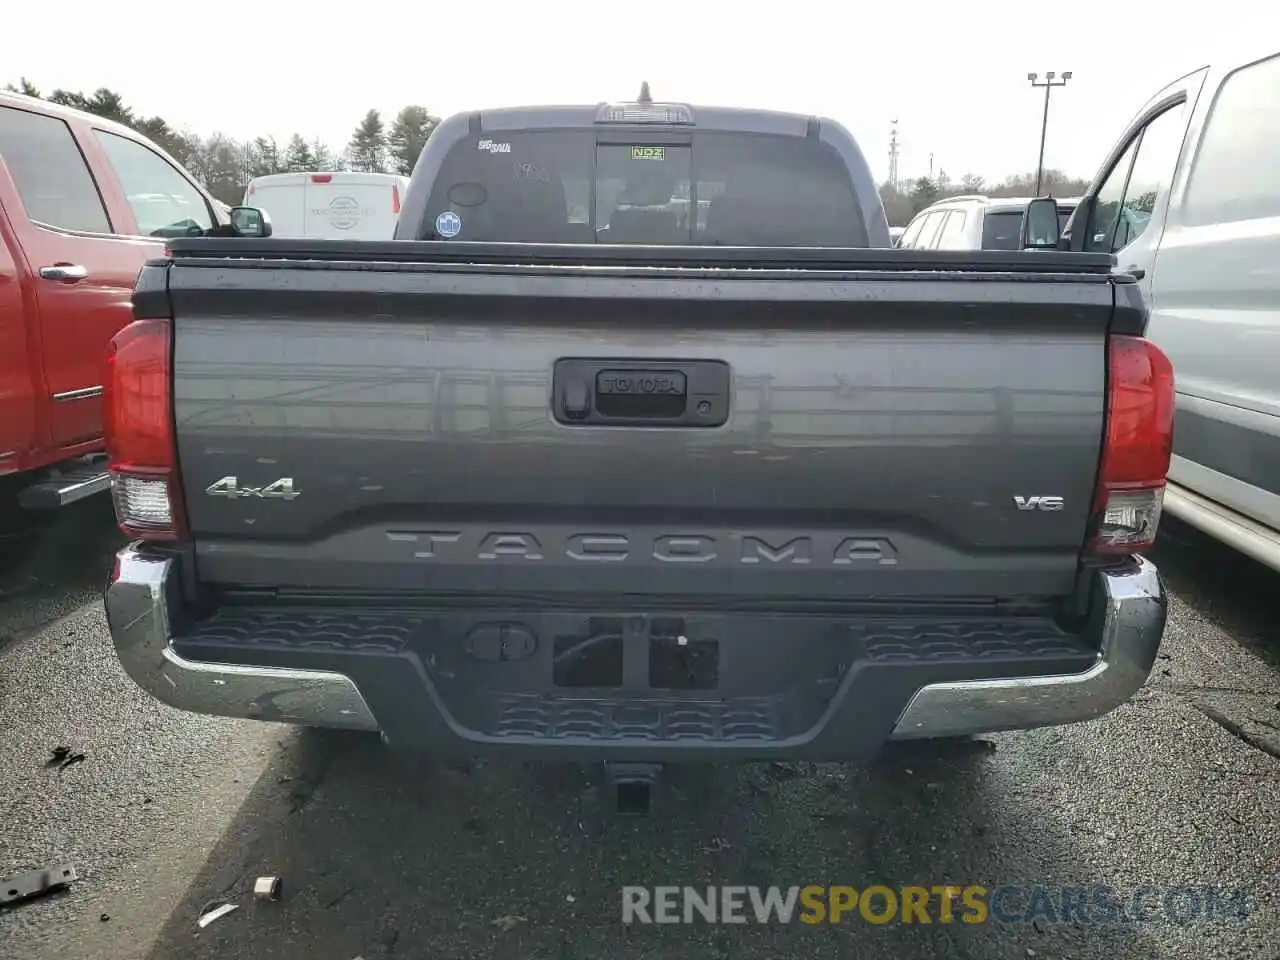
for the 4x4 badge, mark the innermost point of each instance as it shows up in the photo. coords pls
(229, 487)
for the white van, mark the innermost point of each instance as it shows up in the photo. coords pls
(1189, 203)
(329, 206)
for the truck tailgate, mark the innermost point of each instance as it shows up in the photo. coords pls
(414, 428)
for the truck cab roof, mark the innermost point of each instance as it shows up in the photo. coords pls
(681, 115)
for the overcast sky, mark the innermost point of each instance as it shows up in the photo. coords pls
(953, 74)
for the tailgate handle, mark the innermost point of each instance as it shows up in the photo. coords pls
(577, 400)
(640, 393)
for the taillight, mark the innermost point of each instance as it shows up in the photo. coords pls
(395, 198)
(1137, 447)
(138, 421)
(321, 177)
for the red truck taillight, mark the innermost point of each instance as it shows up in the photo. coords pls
(138, 421)
(1137, 447)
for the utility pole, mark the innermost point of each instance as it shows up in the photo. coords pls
(893, 155)
(1048, 83)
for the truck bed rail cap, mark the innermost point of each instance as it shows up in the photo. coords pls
(815, 258)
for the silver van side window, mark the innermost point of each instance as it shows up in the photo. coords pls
(1236, 174)
(1128, 197)
(1101, 226)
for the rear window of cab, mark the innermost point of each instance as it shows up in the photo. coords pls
(632, 186)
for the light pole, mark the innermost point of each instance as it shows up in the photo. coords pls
(1049, 82)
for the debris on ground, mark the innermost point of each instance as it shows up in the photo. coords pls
(267, 888)
(832, 817)
(508, 921)
(30, 884)
(62, 757)
(212, 911)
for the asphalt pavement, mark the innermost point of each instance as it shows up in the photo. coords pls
(380, 856)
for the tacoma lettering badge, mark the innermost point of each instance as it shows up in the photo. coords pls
(686, 548)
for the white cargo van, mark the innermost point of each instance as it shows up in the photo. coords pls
(329, 206)
(1188, 202)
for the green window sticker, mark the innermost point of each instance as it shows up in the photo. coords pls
(648, 153)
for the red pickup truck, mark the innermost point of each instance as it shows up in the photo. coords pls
(83, 203)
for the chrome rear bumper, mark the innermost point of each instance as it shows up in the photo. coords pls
(142, 603)
(1132, 623)
(139, 601)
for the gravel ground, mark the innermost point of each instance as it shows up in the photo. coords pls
(384, 857)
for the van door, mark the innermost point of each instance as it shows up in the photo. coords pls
(350, 207)
(83, 275)
(1216, 297)
(285, 204)
(1133, 188)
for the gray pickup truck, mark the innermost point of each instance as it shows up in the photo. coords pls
(639, 445)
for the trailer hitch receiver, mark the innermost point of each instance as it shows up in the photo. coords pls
(632, 788)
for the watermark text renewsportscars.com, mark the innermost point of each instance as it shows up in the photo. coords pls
(937, 903)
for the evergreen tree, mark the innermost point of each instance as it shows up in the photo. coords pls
(298, 157)
(368, 147)
(409, 133)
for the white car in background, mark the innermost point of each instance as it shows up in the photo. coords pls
(329, 206)
(973, 222)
